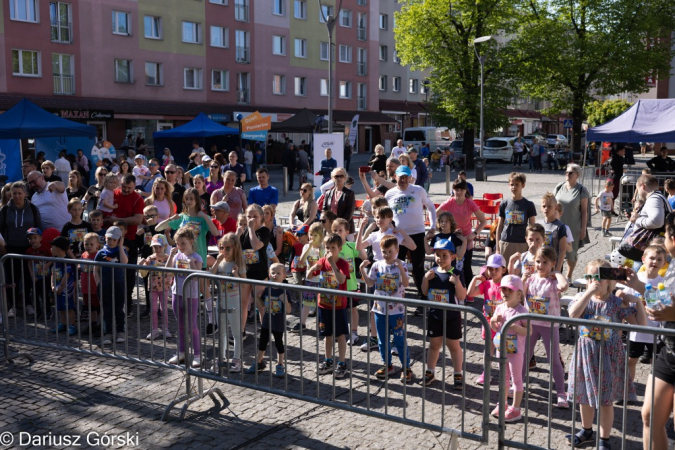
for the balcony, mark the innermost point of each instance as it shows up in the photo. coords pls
(361, 33)
(361, 103)
(62, 32)
(64, 85)
(241, 12)
(243, 55)
(361, 69)
(243, 97)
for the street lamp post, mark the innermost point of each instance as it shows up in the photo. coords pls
(426, 83)
(481, 60)
(330, 26)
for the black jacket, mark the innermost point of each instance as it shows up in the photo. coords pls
(345, 205)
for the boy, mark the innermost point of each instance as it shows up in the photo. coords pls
(349, 253)
(63, 285)
(111, 284)
(469, 187)
(76, 228)
(88, 281)
(390, 278)
(38, 270)
(96, 222)
(604, 203)
(669, 187)
(443, 284)
(222, 220)
(514, 215)
(555, 233)
(522, 264)
(332, 308)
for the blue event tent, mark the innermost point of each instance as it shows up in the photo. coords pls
(200, 127)
(645, 121)
(27, 120)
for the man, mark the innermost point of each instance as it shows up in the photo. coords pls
(398, 150)
(661, 163)
(288, 161)
(146, 186)
(62, 166)
(383, 184)
(50, 199)
(237, 168)
(263, 194)
(303, 164)
(424, 150)
(202, 170)
(408, 201)
(129, 208)
(28, 166)
(178, 189)
(422, 173)
(347, 154)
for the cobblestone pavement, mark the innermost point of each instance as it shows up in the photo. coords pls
(68, 393)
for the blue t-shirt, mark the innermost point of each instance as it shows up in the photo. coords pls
(108, 274)
(199, 170)
(671, 200)
(424, 151)
(274, 309)
(60, 270)
(262, 197)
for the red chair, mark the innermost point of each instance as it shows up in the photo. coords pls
(491, 212)
(483, 202)
(493, 197)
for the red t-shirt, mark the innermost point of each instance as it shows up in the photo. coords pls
(328, 281)
(296, 265)
(230, 226)
(87, 274)
(128, 206)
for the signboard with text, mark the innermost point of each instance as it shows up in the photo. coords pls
(335, 142)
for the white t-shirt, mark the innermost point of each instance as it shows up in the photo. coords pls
(387, 278)
(106, 196)
(570, 238)
(374, 241)
(644, 337)
(408, 207)
(137, 171)
(605, 200)
(518, 147)
(397, 151)
(312, 258)
(248, 157)
(53, 208)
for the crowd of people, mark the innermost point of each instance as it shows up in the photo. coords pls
(155, 213)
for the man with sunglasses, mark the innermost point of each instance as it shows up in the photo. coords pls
(170, 172)
(50, 199)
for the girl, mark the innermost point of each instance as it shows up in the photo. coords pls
(166, 158)
(254, 239)
(106, 200)
(511, 288)
(160, 286)
(162, 198)
(598, 303)
(204, 196)
(75, 187)
(488, 286)
(276, 232)
(141, 172)
(446, 228)
(542, 290)
(184, 256)
(311, 253)
(230, 263)
(215, 179)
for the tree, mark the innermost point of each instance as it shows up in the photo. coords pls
(438, 35)
(567, 51)
(602, 112)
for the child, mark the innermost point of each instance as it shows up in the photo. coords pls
(491, 241)
(350, 254)
(598, 303)
(436, 161)
(38, 270)
(333, 323)
(514, 215)
(141, 172)
(63, 286)
(184, 256)
(298, 269)
(76, 228)
(96, 222)
(514, 300)
(222, 220)
(605, 203)
(430, 175)
(542, 291)
(273, 304)
(311, 254)
(166, 158)
(522, 264)
(230, 263)
(669, 187)
(555, 234)
(390, 278)
(92, 245)
(461, 175)
(446, 228)
(160, 286)
(488, 286)
(106, 200)
(444, 284)
(111, 284)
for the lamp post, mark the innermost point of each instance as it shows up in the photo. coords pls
(426, 83)
(330, 26)
(481, 60)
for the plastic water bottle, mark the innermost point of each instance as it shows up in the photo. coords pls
(664, 296)
(651, 296)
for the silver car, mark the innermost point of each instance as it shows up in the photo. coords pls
(557, 139)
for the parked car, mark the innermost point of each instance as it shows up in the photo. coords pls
(557, 139)
(529, 138)
(436, 137)
(497, 148)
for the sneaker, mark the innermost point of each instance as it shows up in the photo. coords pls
(341, 370)
(562, 402)
(107, 340)
(29, 310)
(279, 371)
(407, 376)
(481, 379)
(121, 337)
(154, 334)
(297, 326)
(61, 327)
(459, 382)
(230, 340)
(256, 367)
(312, 312)
(370, 344)
(533, 362)
(429, 377)
(394, 351)
(495, 412)
(167, 334)
(211, 328)
(512, 415)
(72, 330)
(177, 359)
(235, 366)
(645, 359)
(384, 371)
(325, 367)
(353, 340)
(11, 313)
(196, 362)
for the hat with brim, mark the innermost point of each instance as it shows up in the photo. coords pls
(444, 244)
(403, 171)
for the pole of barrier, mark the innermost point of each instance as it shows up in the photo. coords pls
(285, 181)
(447, 180)
(5, 323)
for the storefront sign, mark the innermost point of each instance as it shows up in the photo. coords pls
(85, 114)
(256, 122)
(254, 135)
(220, 117)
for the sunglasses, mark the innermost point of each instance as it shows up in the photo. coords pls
(170, 171)
(569, 173)
(304, 190)
(589, 277)
(153, 164)
(339, 176)
(102, 174)
(215, 167)
(151, 216)
(323, 220)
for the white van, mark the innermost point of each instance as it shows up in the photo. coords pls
(436, 137)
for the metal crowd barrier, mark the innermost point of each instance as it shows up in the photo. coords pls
(555, 442)
(436, 407)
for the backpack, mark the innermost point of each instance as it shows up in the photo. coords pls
(287, 242)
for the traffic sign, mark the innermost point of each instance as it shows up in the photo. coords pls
(567, 123)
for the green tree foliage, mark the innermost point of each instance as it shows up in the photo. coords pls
(567, 51)
(438, 35)
(602, 112)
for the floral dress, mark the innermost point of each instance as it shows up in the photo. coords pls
(585, 376)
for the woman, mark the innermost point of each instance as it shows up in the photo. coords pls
(15, 219)
(462, 209)
(40, 158)
(205, 197)
(5, 194)
(254, 239)
(305, 209)
(340, 199)
(378, 163)
(82, 166)
(125, 168)
(195, 160)
(248, 161)
(215, 179)
(161, 198)
(48, 169)
(327, 166)
(220, 159)
(518, 150)
(233, 196)
(75, 187)
(94, 191)
(407, 161)
(574, 199)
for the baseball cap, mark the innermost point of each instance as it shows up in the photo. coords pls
(444, 244)
(61, 242)
(301, 229)
(34, 231)
(114, 233)
(403, 170)
(139, 156)
(158, 239)
(206, 158)
(512, 282)
(496, 261)
(221, 206)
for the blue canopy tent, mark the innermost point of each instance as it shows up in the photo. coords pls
(645, 121)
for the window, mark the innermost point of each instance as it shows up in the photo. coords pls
(218, 2)
(301, 86)
(278, 45)
(324, 87)
(414, 85)
(124, 71)
(345, 89)
(279, 85)
(243, 50)
(192, 32)
(324, 51)
(396, 84)
(61, 22)
(361, 2)
(384, 21)
(26, 63)
(25, 10)
(361, 96)
(220, 80)
(345, 18)
(241, 10)
(121, 23)
(192, 78)
(153, 74)
(345, 54)
(300, 9)
(395, 58)
(153, 27)
(361, 61)
(424, 89)
(243, 89)
(279, 7)
(301, 48)
(383, 82)
(62, 70)
(325, 11)
(361, 23)
(220, 37)
(384, 51)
